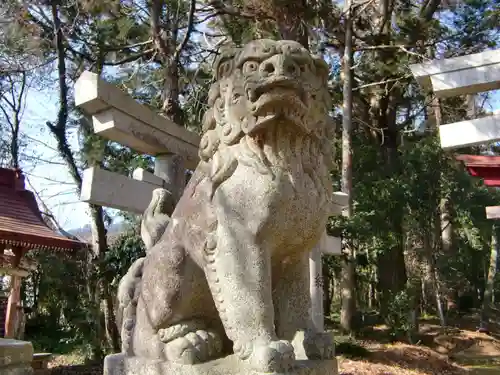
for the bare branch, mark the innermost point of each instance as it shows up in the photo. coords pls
(40, 142)
(48, 179)
(131, 58)
(51, 219)
(190, 25)
(429, 8)
(39, 159)
(383, 82)
(129, 46)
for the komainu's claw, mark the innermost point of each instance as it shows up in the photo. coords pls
(194, 347)
(319, 345)
(276, 356)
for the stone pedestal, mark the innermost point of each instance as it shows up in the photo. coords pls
(15, 357)
(118, 364)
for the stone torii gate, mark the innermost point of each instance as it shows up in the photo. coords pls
(463, 75)
(118, 117)
(470, 74)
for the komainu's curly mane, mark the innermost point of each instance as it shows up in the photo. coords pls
(226, 139)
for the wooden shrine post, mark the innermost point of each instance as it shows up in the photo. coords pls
(14, 300)
(118, 117)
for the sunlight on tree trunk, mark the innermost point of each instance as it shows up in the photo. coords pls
(348, 275)
(489, 289)
(444, 226)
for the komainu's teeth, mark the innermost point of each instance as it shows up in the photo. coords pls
(266, 117)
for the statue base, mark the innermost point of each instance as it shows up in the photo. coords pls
(15, 357)
(119, 364)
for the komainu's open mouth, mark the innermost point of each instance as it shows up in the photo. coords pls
(279, 98)
(277, 88)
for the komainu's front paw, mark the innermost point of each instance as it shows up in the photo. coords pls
(319, 345)
(275, 356)
(194, 347)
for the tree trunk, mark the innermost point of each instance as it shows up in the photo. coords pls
(348, 281)
(99, 242)
(443, 227)
(12, 109)
(489, 289)
(392, 276)
(430, 276)
(447, 246)
(414, 271)
(100, 246)
(112, 334)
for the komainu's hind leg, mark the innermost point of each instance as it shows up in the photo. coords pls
(175, 310)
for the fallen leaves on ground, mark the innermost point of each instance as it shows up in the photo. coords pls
(401, 359)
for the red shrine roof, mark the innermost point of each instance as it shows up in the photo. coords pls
(21, 223)
(482, 166)
(479, 160)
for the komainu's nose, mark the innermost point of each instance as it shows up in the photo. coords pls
(279, 65)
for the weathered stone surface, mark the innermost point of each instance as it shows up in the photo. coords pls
(468, 81)
(14, 352)
(119, 364)
(493, 212)
(17, 370)
(119, 117)
(15, 357)
(126, 129)
(460, 75)
(115, 190)
(228, 272)
(470, 132)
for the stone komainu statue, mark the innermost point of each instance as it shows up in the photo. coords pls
(229, 273)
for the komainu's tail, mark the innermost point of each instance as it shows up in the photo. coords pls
(154, 223)
(156, 217)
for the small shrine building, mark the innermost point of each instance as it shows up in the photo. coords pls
(22, 229)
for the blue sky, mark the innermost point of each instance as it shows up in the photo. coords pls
(42, 166)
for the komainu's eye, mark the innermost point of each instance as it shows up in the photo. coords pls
(250, 67)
